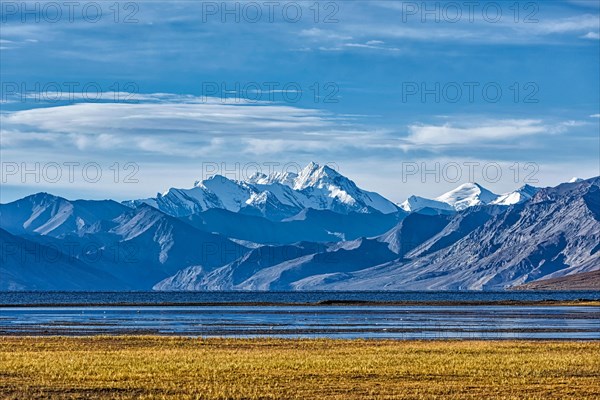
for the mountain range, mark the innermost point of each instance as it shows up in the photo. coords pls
(315, 230)
(469, 195)
(275, 197)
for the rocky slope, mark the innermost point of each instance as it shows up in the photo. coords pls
(344, 242)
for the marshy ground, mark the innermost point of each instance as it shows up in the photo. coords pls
(149, 367)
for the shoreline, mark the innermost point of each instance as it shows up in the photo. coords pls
(283, 337)
(258, 338)
(332, 303)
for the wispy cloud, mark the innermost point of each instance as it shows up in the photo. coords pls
(189, 127)
(175, 133)
(395, 28)
(485, 131)
(183, 126)
(321, 34)
(577, 23)
(591, 35)
(373, 45)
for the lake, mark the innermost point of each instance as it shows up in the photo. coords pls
(301, 314)
(186, 298)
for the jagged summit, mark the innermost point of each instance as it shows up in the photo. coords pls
(286, 178)
(315, 175)
(275, 196)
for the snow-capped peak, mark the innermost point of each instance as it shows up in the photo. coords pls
(233, 195)
(520, 195)
(315, 175)
(331, 190)
(279, 195)
(467, 195)
(575, 180)
(285, 178)
(416, 203)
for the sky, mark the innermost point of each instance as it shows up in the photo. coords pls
(126, 99)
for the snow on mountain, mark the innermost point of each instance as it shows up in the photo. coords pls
(181, 202)
(554, 233)
(575, 180)
(491, 243)
(286, 178)
(520, 195)
(467, 195)
(276, 196)
(325, 188)
(416, 203)
(232, 195)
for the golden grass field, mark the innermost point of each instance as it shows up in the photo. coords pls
(150, 367)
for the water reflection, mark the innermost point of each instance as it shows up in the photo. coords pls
(398, 322)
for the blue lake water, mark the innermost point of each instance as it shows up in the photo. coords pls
(146, 313)
(108, 298)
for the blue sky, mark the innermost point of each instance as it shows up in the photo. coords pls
(371, 61)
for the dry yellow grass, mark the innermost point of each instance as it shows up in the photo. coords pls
(181, 368)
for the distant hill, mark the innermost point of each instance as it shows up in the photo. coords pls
(582, 281)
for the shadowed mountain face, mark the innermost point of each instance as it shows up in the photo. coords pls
(542, 233)
(413, 231)
(284, 268)
(553, 234)
(45, 214)
(27, 265)
(483, 247)
(136, 247)
(308, 225)
(236, 273)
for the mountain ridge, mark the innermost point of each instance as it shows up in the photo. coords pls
(492, 243)
(484, 247)
(276, 196)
